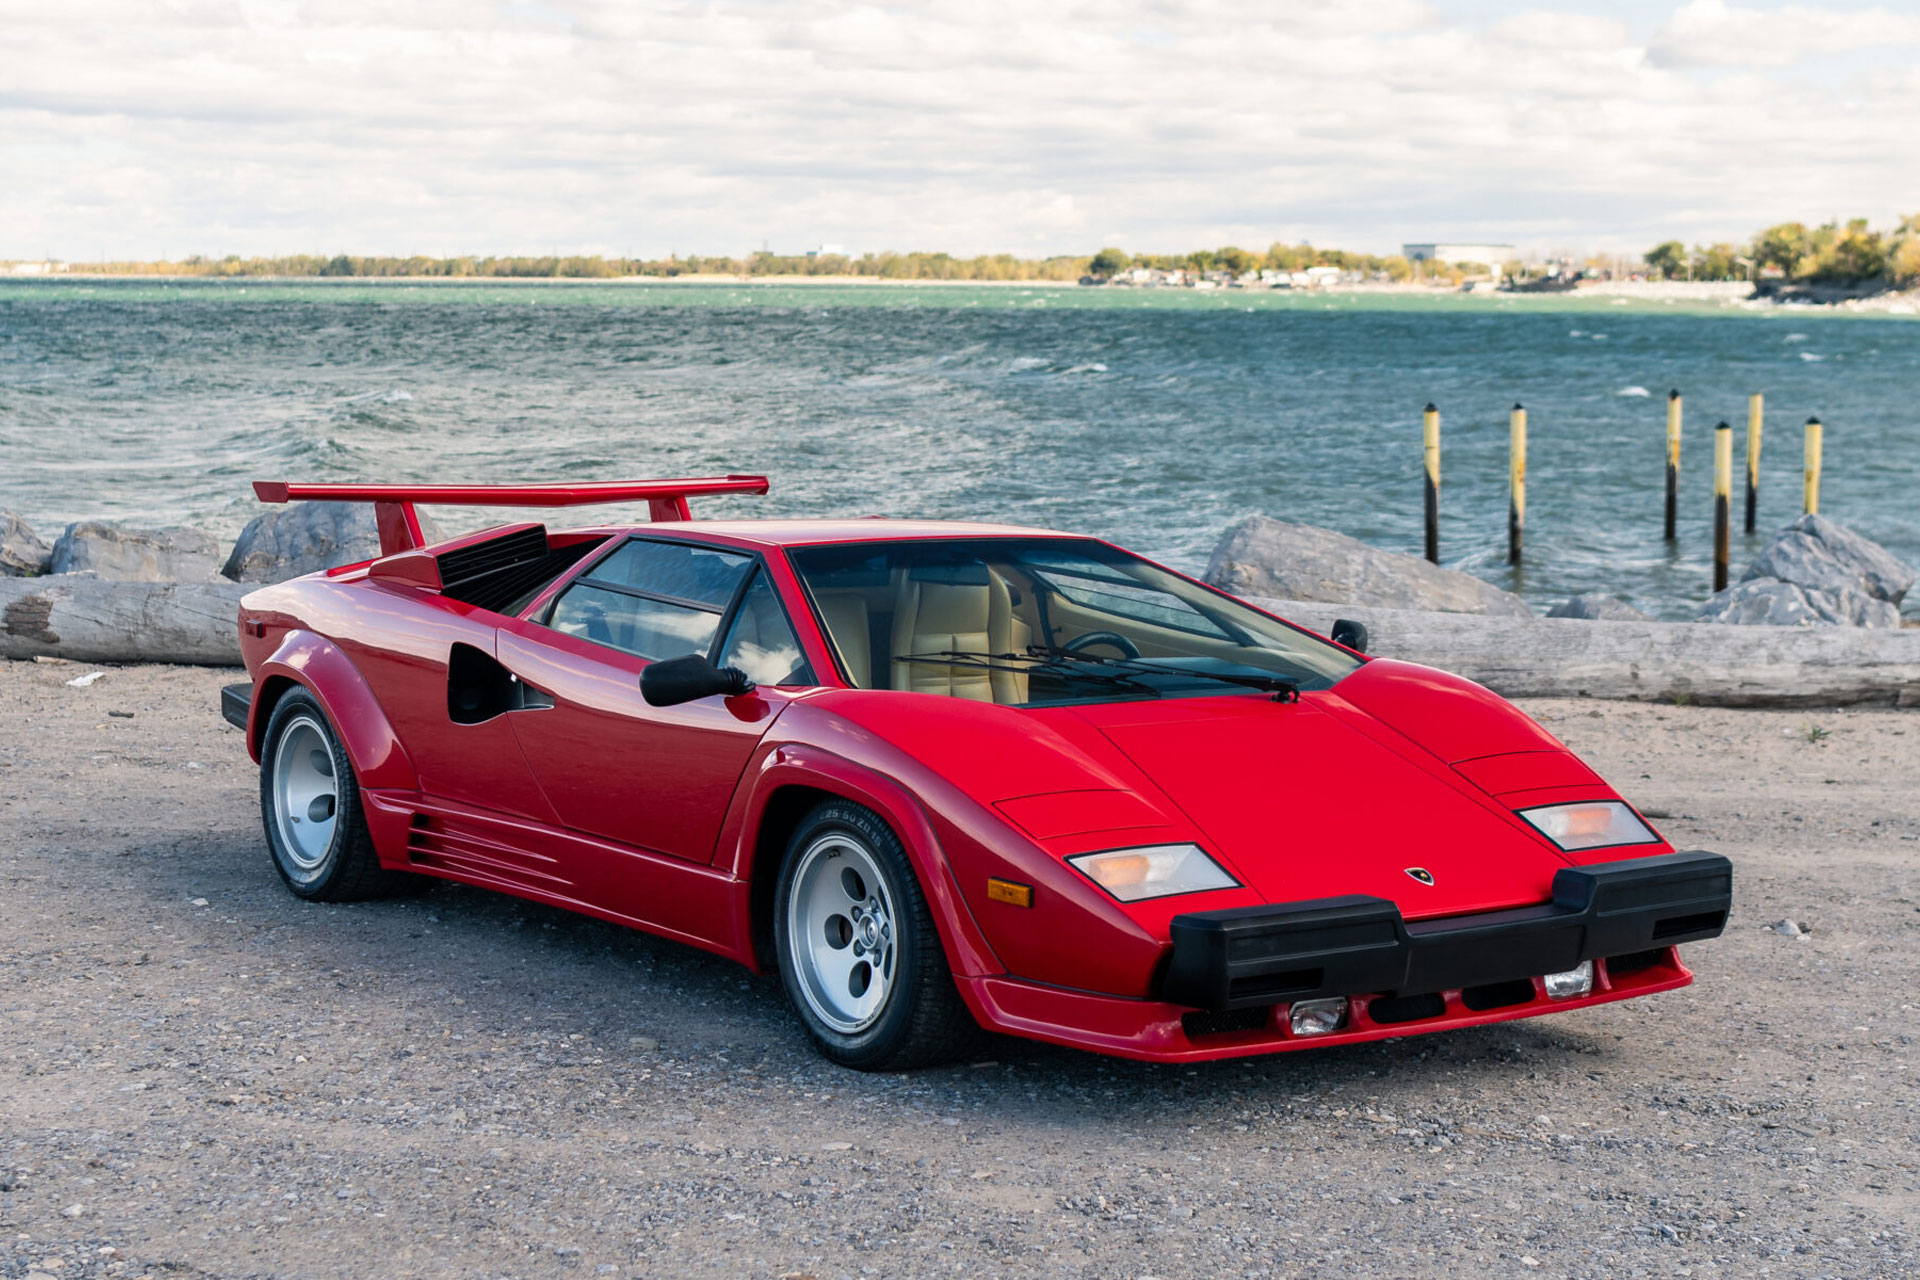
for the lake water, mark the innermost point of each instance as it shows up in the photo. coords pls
(1153, 418)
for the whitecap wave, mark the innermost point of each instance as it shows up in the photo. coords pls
(1795, 337)
(1633, 391)
(1086, 368)
(1021, 364)
(1808, 355)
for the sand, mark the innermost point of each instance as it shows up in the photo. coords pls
(201, 1076)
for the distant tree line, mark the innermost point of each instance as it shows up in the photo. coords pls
(1849, 253)
(886, 266)
(1231, 258)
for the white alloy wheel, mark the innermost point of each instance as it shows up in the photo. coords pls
(306, 794)
(840, 932)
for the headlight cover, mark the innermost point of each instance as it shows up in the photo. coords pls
(1592, 824)
(1152, 871)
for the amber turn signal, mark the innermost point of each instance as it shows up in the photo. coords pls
(1019, 895)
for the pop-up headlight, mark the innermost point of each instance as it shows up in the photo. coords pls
(1154, 871)
(1593, 824)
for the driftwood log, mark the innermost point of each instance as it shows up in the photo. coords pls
(1710, 664)
(93, 619)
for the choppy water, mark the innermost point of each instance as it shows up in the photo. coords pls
(1152, 418)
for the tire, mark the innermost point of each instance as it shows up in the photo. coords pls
(857, 948)
(310, 806)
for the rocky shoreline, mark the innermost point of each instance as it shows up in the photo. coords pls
(1815, 620)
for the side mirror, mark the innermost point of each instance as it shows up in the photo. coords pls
(672, 681)
(1350, 633)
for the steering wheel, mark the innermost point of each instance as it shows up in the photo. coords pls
(1113, 638)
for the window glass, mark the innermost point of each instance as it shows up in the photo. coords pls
(761, 641)
(702, 575)
(650, 628)
(1033, 621)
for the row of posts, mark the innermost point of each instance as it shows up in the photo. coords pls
(1722, 478)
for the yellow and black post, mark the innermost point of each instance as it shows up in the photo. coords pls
(1756, 406)
(1673, 464)
(1430, 429)
(1722, 501)
(1814, 432)
(1516, 482)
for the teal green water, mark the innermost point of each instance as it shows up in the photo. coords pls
(1152, 417)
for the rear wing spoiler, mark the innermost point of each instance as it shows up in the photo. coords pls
(393, 504)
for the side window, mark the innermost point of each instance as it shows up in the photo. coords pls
(656, 599)
(761, 641)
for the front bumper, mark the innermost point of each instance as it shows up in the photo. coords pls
(1350, 946)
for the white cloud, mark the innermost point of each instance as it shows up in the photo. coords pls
(1713, 33)
(133, 128)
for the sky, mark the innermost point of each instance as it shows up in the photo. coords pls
(139, 129)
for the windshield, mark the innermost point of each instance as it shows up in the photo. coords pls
(1040, 621)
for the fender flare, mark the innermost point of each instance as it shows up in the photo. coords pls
(323, 669)
(787, 764)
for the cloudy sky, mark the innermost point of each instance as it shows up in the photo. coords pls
(145, 128)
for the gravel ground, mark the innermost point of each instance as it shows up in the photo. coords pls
(202, 1076)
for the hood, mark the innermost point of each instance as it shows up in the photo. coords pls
(1304, 802)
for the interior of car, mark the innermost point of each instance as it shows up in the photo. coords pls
(892, 611)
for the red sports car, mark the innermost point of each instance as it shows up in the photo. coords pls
(946, 776)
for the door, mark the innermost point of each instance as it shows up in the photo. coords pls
(470, 760)
(657, 778)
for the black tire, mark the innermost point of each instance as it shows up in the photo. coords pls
(342, 866)
(922, 1020)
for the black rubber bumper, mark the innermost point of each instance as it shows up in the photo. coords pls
(1359, 945)
(235, 700)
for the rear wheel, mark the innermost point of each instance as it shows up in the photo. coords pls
(857, 948)
(310, 806)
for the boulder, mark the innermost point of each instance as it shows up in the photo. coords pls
(1769, 602)
(120, 554)
(1266, 557)
(23, 553)
(1596, 606)
(306, 537)
(1815, 553)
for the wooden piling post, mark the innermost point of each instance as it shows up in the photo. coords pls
(1722, 501)
(1756, 407)
(1673, 464)
(1516, 482)
(1430, 430)
(1812, 489)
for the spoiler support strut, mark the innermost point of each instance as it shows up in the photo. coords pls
(393, 504)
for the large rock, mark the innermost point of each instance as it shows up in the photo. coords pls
(22, 551)
(1266, 557)
(306, 537)
(1815, 553)
(120, 554)
(1815, 573)
(1769, 602)
(1595, 606)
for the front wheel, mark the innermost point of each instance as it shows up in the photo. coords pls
(310, 805)
(857, 948)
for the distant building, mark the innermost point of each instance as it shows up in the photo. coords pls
(828, 251)
(1491, 255)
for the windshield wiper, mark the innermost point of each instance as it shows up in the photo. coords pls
(1026, 664)
(1282, 689)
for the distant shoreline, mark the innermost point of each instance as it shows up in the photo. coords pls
(1732, 293)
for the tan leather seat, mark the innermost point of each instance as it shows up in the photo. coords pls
(845, 613)
(935, 617)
